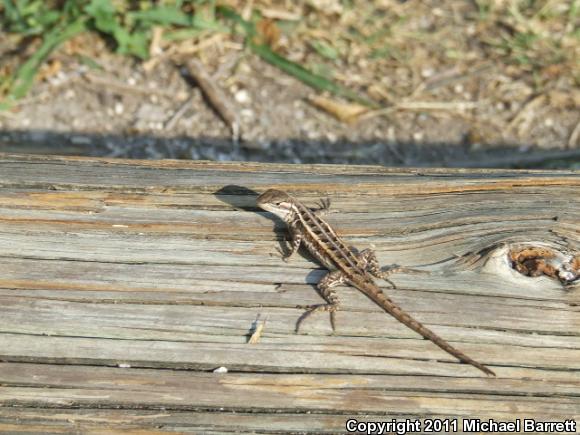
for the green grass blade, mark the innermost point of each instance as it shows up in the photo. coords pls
(162, 15)
(26, 73)
(230, 14)
(296, 70)
(313, 80)
(11, 13)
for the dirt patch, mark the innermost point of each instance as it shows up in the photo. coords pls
(463, 84)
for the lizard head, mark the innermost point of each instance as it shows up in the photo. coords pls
(277, 202)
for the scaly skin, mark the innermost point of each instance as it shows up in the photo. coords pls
(345, 265)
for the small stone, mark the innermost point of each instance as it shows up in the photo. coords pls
(242, 96)
(313, 135)
(221, 370)
(247, 113)
(427, 72)
(244, 68)
(331, 137)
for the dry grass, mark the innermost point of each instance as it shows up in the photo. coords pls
(514, 60)
(507, 71)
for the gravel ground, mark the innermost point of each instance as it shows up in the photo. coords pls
(452, 100)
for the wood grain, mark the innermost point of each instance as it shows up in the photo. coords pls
(124, 284)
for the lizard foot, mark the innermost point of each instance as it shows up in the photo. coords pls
(331, 309)
(284, 256)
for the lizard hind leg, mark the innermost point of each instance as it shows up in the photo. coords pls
(368, 261)
(326, 289)
(323, 207)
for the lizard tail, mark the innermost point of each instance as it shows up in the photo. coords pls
(382, 300)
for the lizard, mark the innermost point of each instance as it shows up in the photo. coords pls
(345, 264)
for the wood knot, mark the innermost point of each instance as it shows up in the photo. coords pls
(536, 261)
(513, 261)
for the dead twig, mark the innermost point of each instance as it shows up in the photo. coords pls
(47, 90)
(456, 106)
(178, 114)
(111, 83)
(178, 51)
(280, 14)
(220, 102)
(248, 9)
(573, 140)
(156, 40)
(438, 105)
(447, 77)
(226, 67)
(525, 115)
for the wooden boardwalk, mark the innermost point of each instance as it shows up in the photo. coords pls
(125, 284)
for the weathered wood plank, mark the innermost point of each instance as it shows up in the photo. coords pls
(166, 421)
(51, 386)
(164, 266)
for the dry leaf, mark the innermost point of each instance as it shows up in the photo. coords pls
(49, 69)
(327, 6)
(552, 72)
(257, 334)
(268, 33)
(569, 99)
(345, 112)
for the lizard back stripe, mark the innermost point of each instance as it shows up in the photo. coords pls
(327, 240)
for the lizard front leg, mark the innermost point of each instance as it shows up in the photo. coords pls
(368, 261)
(323, 207)
(326, 289)
(295, 241)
